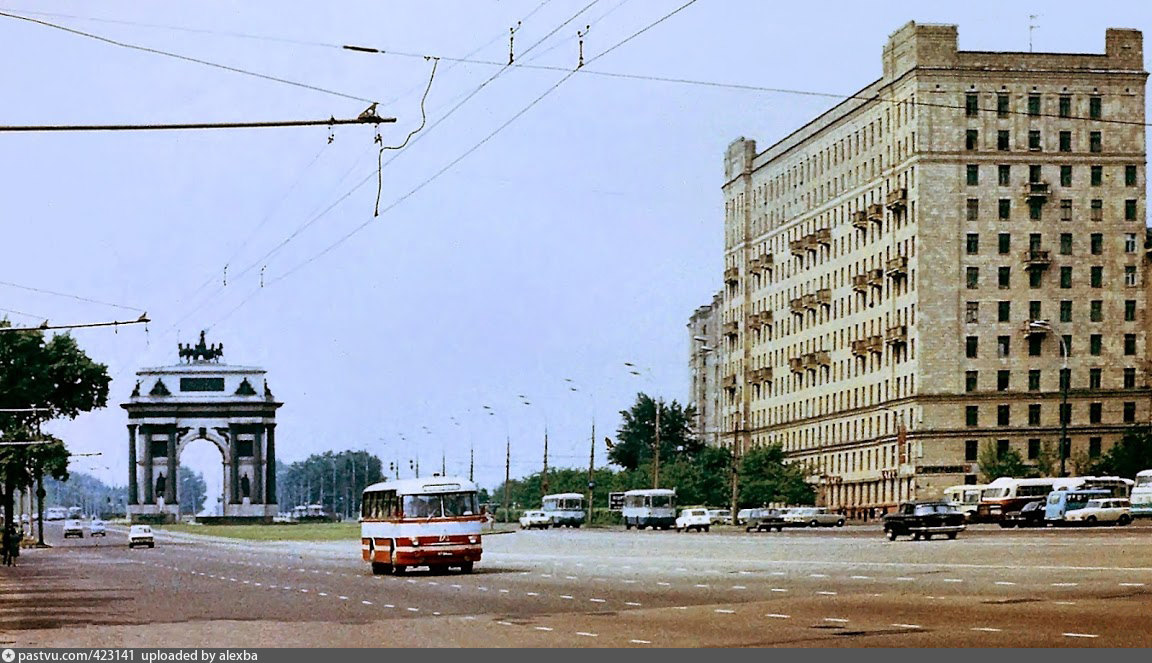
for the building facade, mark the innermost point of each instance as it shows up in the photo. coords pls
(704, 364)
(903, 272)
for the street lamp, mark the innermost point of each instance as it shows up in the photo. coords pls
(656, 442)
(591, 449)
(1065, 380)
(507, 455)
(544, 476)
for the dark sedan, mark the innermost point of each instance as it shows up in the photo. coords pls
(924, 520)
(1031, 515)
(765, 520)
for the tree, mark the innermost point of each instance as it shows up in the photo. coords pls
(56, 376)
(994, 464)
(1048, 460)
(1130, 455)
(636, 436)
(335, 480)
(765, 477)
(193, 490)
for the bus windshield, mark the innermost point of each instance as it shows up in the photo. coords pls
(440, 505)
(661, 500)
(993, 493)
(1143, 480)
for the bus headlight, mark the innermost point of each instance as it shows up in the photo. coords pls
(473, 539)
(415, 542)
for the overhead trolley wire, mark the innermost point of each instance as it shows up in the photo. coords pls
(371, 119)
(45, 291)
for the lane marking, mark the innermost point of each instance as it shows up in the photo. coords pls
(1064, 602)
(664, 584)
(626, 582)
(1080, 635)
(986, 629)
(641, 642)
(739, 587)
(389, 605)
(778, 573)
(543, 628)
(836, 619)
(413, 609)
(457, 586)
(532, 593)
(574, 578)
(1004, 582)
(322, 593)
(566, 597)
(906, 579)
(724, 611)
(1131, 584)
(483, 589)
(775, 615)
(342, 598)
(632, 603)
(827, 593)
(861, 577)
(504, 623)
(907, 625)
(779, 589)
(366, 602)
(587, 634)
(817, 575)
(504, 591)
(953, 580)
(1065, 584)
(597, 600)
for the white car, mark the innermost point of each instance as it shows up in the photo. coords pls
(72, 527)
(532, 519)
(1106, 510)
(97, 528)
(697, 519)
(812, 516)
(141, 535)
(720, 516)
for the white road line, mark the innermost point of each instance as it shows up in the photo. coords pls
(433, 582)
(775, 615)
(779, 589)
(906, 579)
(598, 600)
(702, 586)
(1004, 582)
(1131, 584)
(817, 575)
(413, 609)
(681, 568)
(724, 611)
(366, 602)
(906, 625)
(1064, 602)
(505, 623)
(861, 577)
(681, 607)
(574, 578)
(342, 598)
(664, 584)
(543, 628)
(641, 642)
(953, 580)
(457, 586)
(632, 603)
(1065, 584)
(566, 597)
(389, 605)
(504, 591)
(626, 582)
(305, 591)
(436, 614)
(256, 583)
(1080, 635)
(827, 593)
(739, 587)
(532, 593)
(986, 629)
(778, 573)
(586, 634)
(483, 589)
(836, 619)
(322, 593)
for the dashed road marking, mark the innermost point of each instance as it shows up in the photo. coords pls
(861, 577)
(366, 602)
(457, 586)
(1065, 584)
(906, 579)
(953, 580)
(322, 593)
(779, 589)
(1131, 584)
(664, 584)
(543, 628)
(626, 582)
(597, 600)
(632, 603)
(505, 623)
(700, 586)
(776, 615)
(836, 620)
(342, 598)
(389, 605)
(986, 629)
(532, 593)
(739, 587)
(505, 591)
(413, 609)
(907, 625)
(483, 589)
(1004, 582)
(1080, 635)
(1064, 602)
(724, 611)
(817, 575)
(827, 593)
(778, 573)
(566, 597)
(641, 642)
(587, 634)
(574, 578)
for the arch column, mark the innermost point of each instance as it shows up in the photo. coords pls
(133, 469)
(270, 463)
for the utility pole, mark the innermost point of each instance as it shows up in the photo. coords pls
(544, 476)
(471, 462)
(443, 465)
(591, 471)
(737, 454)
(507, 471)
(656, 450)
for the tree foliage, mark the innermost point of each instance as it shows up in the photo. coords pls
(636, 436)
(1008, 464)
(765, 478)
(335, 480)
(193, 490)
(1129, 455)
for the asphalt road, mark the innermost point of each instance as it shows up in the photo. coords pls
(566, 588)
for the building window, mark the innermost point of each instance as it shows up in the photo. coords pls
(1067, 344)
(1002, 380)
(1095, 411)
(1098, 210)
(1096, 276)
(1065, 141)
(972, 174)
(972, 415)
(1095, 343)
(973, 209)
(1065, 244)
(1005, 208)
(1034, 311)
(1094, 447)
(1129, 210)
(971, 379)
(1096, 243)
(1035, 278)
(1035, 209)
(971, 104)
(1129, 344)
(1004, 243)
(1065, 277)
(1129, 310)
(1004, 311)
(1034, 414)
(1004, 277)
(1001, 111)
(1003, 345)
(1004, 175)
(1065, 378)
(973, 277)
(972, 312)
(1065, 175)
(1095, 310)
(1129, 412)
(1065, 108)
(971, 450)
(1033, 380)
(1130, 243)
(1034, 105)
(1066, 209)
(1035, 173)
(1094, 108)
(1130, 276)
(1129, 175)
(1066, 417)
(971, 344)
(1066, 310)
(1096, 175)
(1033, 449)
(1094, 375)
(1034, 140)
(1095, 143)
(1003, 415)
(973, 244)
(1129, 378)
(1035, 345)
(971, 139)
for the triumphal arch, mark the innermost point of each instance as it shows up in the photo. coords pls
(202, 398)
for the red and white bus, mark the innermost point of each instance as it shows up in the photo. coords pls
(432, 522)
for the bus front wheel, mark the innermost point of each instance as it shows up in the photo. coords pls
(399, 569)
(381, 569)
(466, 567)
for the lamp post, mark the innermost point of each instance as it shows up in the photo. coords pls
(633, 369)
(544, 474)
(1065, 380)
(507, 456)
(591, 451)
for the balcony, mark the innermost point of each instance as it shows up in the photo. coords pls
(876, 344)
(766, 262)
(760, 375)
(796, 364)
(1036, 328)
(731, 328)
(822, 358)
(822, 236)
(860, 283)
(897, 335)
(1036, 192)
(860, 219)
(897, 200)
(729, 382)
(732, 276)
(798, 247)
(808, 302)
(876, 213)
(860, 347)
(797, 306)
(1036, 259)
(876, 278)
(761, 319)
(823, 297)
(754, 265)
(897, 267)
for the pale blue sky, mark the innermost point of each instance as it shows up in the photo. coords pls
(581, 237)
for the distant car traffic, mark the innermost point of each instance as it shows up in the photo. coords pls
(812, 517)
(97, 528)
(1116, 511)
(534, 519)
(140, 535)
(72, 527)
(764, 520)
(697, 519)
(720, 516)
(924, 520)
(1031, 515)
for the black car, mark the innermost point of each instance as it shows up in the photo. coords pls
(1030, 515)
(924, 519)
(765, 520)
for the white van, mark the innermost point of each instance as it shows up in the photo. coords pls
(654, 507)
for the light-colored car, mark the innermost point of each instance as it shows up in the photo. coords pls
(141, 535)
(532, 519)
(1114, 510)
(697, 519)
(812, 516)
(742, 516)
(97, 528)
(720, 516)
(72, 527)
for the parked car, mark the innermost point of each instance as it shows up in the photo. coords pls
(534, 519)
(97, 528)
(812, 516)
(764, 520)
(720, 516)
(141, 535)
(1117, 511)
(697, 519)
(742, 516)
(72, 527)
(1031, 515)
(923, 520)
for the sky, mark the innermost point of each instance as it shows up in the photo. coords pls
(580, 236)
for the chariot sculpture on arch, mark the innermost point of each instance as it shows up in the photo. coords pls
(201, 352)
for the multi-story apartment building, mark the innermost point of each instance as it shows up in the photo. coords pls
(902, 273)
(704, 363)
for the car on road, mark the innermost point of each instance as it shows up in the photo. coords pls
(764, 520)
(141, 535)
(812, 516)
(1031, 515)
(97, 528)
(1115, 510)
(697, 519)
(720, 516)
(924, 520)
(534, 519)
(72, 527)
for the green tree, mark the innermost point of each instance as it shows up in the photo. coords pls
(1128, 456)
(1048, 460)
(193, 490)
(994, 464)
(55, 375)
(335, 480)
(766, 477)
(636, 436)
